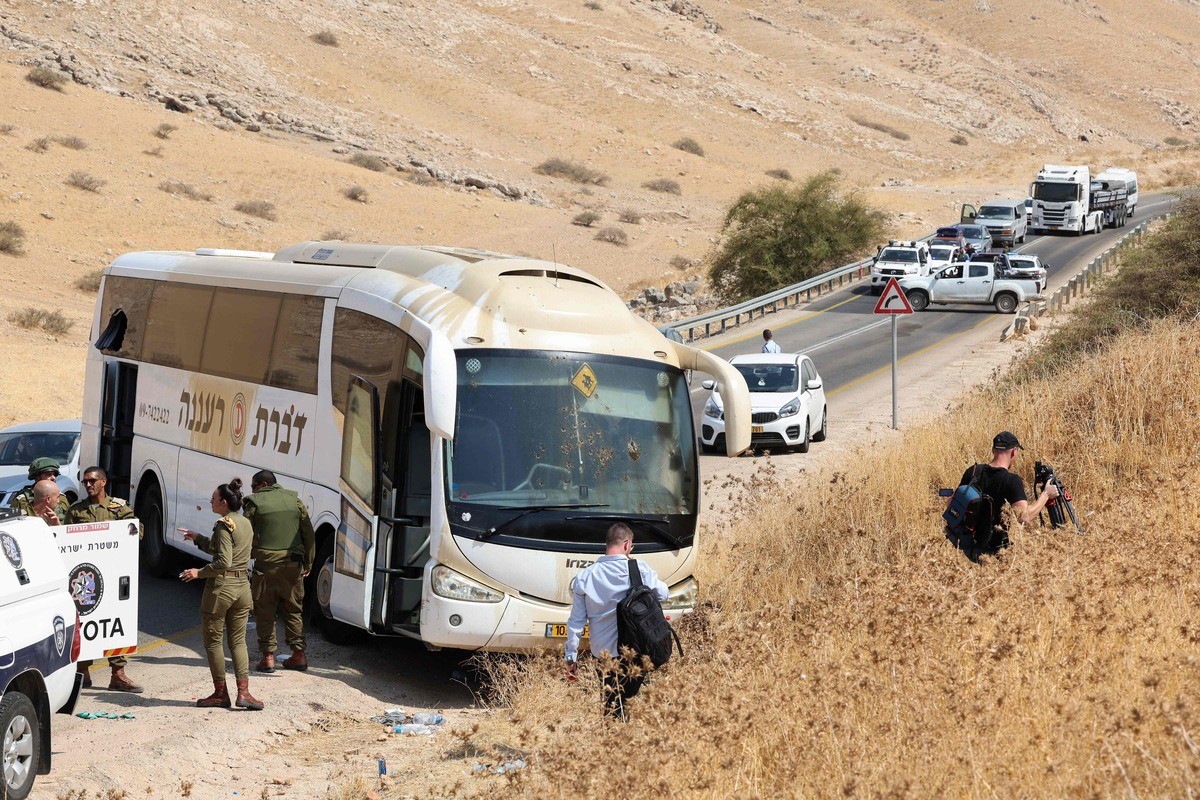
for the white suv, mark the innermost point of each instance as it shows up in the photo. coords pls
(787, 398)
(39, 644)
(899, 259)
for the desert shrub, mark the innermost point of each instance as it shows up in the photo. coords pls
(257, 208)
(40, 144)
(586, 219)
(7, 128)
(90, 282)
(155, 151)
(1175, 141)
(336, 235)
(356, 193)
(689, 145)
(423, 179)
(184, 190)
(368, 161)
(86, 181)
(1159, 278)
(630, 215)
(779, 173)
(783, 233)
(612, 236)
(32, 318)
(958, 138)
(12, 238)
(882, 128)
(71, 142)
(47, 78)
(572, 171)
(665, 185)
(325, 37)
(593, 5)
(682, 262)
(165, 130)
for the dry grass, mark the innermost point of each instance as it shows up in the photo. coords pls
(842, 647)
(336, 235)
(86, 181)
(682, 262)
(665, 185)
(780, 173)
(882, 128)
(423, 179)
(959, 139)
(612, 236)
(325, 37)
(32, 318)
(368, 161)
(165, 130)
(257, 208)
(7, 128)
(356, 193)
(586, 218)
(572, 171)
(47, 78)
(12, 238)
(40, 144)
(182, 189)
(630, 216)
(90, 282)
(689, 145)
(71, 142)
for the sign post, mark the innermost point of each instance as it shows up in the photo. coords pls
(893, 302)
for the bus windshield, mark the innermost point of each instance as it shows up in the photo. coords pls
(588, 439)
(1056, 192)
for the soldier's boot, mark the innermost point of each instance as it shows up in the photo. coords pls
(120, 682)
(86, 671)
(244, 698)
(297, 661)
(219, 698)
(266, 663)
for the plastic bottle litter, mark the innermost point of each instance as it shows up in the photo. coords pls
(500, 769)
(431, 718)
(414, 729)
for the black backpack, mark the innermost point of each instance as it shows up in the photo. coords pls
(641, 625)
(970, 511)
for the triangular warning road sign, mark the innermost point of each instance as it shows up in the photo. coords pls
(893, 301)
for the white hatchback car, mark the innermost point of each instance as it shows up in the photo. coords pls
(787, 399)
(21, 444)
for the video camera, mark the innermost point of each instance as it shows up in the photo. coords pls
(1059, 508)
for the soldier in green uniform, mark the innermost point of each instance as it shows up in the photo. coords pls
(99, 507)
(284, 548)
(40, 469)
(226, 601)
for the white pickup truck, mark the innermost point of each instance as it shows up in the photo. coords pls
(973, 283)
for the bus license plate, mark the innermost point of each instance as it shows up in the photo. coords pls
(756, 428)
(558, 630)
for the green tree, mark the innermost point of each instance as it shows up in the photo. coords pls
(780, 234)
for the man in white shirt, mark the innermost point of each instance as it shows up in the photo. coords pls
(595, 595)
(769, 345)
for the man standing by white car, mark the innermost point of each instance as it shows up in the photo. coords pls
(769, 345)
(595, 595)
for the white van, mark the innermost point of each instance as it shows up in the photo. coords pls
(39, 645)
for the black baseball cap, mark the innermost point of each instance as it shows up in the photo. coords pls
(1005, 441)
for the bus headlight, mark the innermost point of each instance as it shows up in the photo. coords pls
(456, 586)
(683, 596)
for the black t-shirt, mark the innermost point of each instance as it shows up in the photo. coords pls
(998, 484)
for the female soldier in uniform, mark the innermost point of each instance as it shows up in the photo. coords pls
(226, 602)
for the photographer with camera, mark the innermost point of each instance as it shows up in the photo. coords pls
(995, 481)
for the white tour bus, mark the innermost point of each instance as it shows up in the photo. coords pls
(463, 426)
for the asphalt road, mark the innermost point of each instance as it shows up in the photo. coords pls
(849, 344)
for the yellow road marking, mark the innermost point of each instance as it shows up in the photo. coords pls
(175, 637)
(807, 316)
(882, 370)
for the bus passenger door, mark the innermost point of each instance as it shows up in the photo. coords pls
(354, 543)
(403, 530)
(118, 411)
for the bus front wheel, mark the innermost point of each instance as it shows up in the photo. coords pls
(319, 593)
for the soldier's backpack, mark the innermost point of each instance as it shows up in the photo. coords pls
(641, 624)
(970, 510)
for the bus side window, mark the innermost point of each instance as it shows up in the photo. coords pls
(366, 346)
(176, 326)
(297, 340)
(132, 296)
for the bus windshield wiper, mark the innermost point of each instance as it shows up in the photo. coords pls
(527, 510)
(657, 530)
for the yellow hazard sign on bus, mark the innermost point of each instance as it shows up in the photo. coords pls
(585, 381)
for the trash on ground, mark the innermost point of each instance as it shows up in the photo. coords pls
(391, 716)
(413, 729)
(428, 718)
(103, 715)
(500, 769)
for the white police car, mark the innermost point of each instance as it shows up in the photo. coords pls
(39, 645)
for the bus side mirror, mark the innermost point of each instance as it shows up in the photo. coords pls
(441, 386)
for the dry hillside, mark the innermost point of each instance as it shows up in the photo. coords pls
(460, 102)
